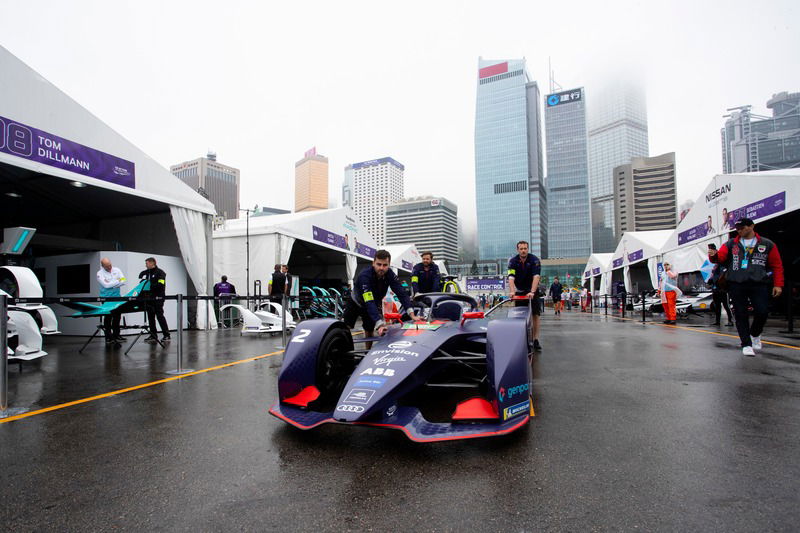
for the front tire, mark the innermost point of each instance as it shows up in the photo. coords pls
(335, 363)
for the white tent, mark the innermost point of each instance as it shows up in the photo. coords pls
(635, 247)
(404, 256)
(597, 265)
(333, 240)
(49, 143)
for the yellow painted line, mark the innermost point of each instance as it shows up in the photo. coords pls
(136, 387)
(697, 330)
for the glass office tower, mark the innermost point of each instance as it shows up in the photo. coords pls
(617, 117)
(569, 223)
(510, 195)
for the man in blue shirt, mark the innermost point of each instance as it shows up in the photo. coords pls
(369, 289)
(425, 275)
(524, 272)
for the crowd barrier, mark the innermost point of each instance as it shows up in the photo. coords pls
(6, 301)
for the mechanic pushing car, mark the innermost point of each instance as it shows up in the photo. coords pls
(524, 272)
(369, 290)
(425, 276)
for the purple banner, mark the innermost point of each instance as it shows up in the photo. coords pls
(587, 273)
(692, 234)
(486, 284)
(407, 265)
(596, 271)
(363, 249)
(323, 235)
(37, 145)
(635, 256)
(768, 206)
(617, 263)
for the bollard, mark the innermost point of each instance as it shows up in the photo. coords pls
(179, 338)
(283, 321)
(5, 410)
(644, 316)
(605, 297)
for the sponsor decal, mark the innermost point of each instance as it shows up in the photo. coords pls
(502, 392)
(716, 193)
(388, 360)
(373, 383)
(762, 248)
(514, 410)
(359, 396)
(388, 372)
(401, 344)
(516, 391)
(350, 408)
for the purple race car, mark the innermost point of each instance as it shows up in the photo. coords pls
(456, 375)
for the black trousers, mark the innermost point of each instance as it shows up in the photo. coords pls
(742, 296)
(111, 324)
(720, 300)
(155, 310)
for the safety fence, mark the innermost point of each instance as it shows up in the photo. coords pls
(7, 301)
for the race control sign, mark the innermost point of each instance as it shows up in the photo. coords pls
(497, 284)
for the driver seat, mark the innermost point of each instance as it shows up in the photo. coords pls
(447, 311)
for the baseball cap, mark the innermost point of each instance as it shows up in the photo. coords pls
(744, 221)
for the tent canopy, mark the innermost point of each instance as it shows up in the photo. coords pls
(404, 256)
(638, 246)
(596, 265)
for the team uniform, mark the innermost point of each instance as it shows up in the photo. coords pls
(425, 280)
(366, 297)
(522, 272)
(155, 309)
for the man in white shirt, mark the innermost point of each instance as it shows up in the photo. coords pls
(110, 279)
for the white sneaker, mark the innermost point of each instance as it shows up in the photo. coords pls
(756, 342)
(748, 351)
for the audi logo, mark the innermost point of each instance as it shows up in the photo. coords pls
(350, 408)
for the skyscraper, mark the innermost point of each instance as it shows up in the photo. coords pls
(509, 176)
(751, 143)
(617, 118)
(645, 195)
(217, 182)
(431, 223)
(569, 224)
(311, 182)
(376, 184)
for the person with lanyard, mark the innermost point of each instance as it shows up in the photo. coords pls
(368, 292)
(669, 294)
(524, 273)
(111, 279)
(754, 271)
(425, 275)
(155, 308)
(556, 289)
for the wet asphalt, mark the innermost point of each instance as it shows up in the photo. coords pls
(647, 428)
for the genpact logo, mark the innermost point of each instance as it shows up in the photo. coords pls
(516, 391)
(502, 393)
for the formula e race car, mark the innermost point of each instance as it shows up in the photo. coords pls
(455, 374)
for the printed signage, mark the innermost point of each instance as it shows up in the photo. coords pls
(407, 265)
(596, 271)
(564, 97)
(37, 145)
(328, 237)
(754, 210)
(486, 284)
(635, 256)
(617, 263)
(363, 249)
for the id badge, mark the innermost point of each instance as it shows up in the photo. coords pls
(745, 262)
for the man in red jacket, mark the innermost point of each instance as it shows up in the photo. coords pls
(754, 265)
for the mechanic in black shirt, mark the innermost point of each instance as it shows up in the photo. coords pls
(524, 272)
(425, 275)
(368, 292)
(277, 285)
(155, 309)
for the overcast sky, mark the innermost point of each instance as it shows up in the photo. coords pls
(261, 82)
